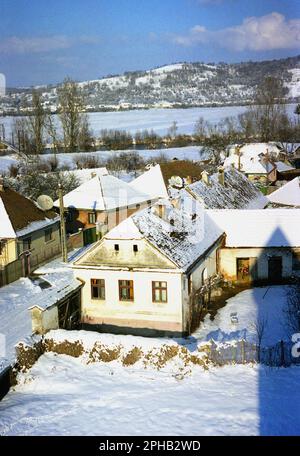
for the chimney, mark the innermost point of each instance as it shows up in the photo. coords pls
(221, 176)
(205, 177)
(159, 210)
(188, 180)
(176, 202)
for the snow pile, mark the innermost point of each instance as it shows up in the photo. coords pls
(176, 356)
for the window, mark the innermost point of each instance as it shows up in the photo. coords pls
(97, 288)
(48, 235)
(92, 217)
(135, 248)
(27, 243)
(159, 292)
(126, 290)
(116, 247)
(296, 261)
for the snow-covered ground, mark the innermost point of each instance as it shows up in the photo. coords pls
(263, 304)
(61, 395)
(157, 119)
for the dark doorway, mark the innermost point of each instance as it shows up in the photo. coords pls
(243, 269)
(275, 269)
(89, 236)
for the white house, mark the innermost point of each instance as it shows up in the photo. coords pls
(258, 161)
(141, 277)
(103, 201)
(261, 245)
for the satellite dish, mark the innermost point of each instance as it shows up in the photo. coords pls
(176, 181)
(44, 202)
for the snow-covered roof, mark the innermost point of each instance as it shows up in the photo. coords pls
(259, 228)
(182, 233)
(103, 192)
(238, 192)
(38, 225)
(151, 182)
(125, 230)
(250, 165)
(84, 175)
(20, 215)
(281, 166)
(6, 229)
(57, 291)
(288, 194)
(255, 149)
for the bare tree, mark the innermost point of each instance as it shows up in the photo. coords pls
(71, 103)
(260, 326)
(269, 109)
(292, 311)
(36, 123)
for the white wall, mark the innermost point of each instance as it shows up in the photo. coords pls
(228, 259)
(142, 312)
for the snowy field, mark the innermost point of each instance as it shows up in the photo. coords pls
(61, 395)
(157, 119)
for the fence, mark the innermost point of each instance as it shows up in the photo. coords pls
(18, 268)
(242, 352)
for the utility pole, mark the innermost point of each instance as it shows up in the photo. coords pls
(62, 226)
(239, 157)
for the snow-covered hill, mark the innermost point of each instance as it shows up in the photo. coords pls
(178, 85)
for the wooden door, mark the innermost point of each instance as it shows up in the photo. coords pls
(275, 269)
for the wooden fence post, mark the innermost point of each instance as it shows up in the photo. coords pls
(243, 351)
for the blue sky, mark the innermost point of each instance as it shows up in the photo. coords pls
(42, 42)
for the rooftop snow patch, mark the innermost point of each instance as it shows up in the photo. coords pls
(84, 175)
(151, 182)
(238, 192)
(19, 213)
(259, 228)
(288, 194)
(6, 229)
(181, 235)
(255, 149)
(282, 167)
(101, 193)
(249, 165)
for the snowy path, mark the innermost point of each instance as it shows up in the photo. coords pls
(62, 396)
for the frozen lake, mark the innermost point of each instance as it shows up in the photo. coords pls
(157, 119)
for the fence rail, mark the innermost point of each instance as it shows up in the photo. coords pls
(242, 352)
